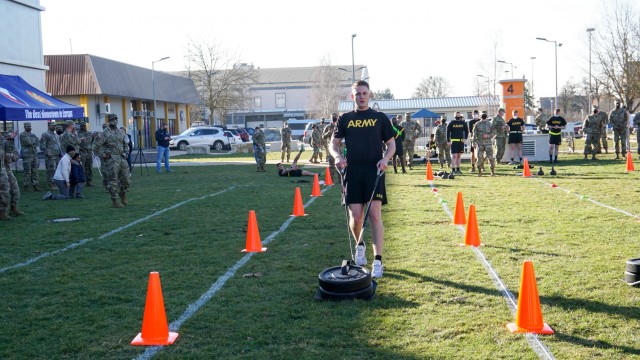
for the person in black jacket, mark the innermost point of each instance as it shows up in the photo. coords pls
(77, 177)
(163, 138)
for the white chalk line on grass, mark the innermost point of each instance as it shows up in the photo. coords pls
(534, 341)
(585, 197)
(84, 241)
(216, 286)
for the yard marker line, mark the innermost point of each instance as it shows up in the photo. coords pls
(594, 201)
(216, 286)
(534, 341)
(84, 241)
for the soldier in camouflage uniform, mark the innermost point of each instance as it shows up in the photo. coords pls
(482, 136)
(50, 145)
(259, 149)
(30, 163)
(70, 138)
(4, 184)
(444, 151)
(86, 153)
(285, 135)
(500, 129)
(316, 143)
(11, 156)
(541, 121)
(325, 143)
(636, 123)
(592, 131)
(112, 148)
(327, 135)
(602, 117)
(619, 120)
(411, 132)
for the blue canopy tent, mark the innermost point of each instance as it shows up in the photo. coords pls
(425, 114)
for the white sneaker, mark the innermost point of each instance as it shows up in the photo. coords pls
(47, 195)
(376, 269)
(361, 257)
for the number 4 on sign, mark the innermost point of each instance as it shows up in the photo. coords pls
(510, 88)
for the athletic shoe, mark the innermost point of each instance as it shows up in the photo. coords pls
(361, 257)
(47, 195)
(376, 269)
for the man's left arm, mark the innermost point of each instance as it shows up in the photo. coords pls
(391, 149)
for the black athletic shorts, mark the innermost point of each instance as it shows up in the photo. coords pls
(515, 138)
(555, 139)
(457, 147)
(291, 173)
(359, 180)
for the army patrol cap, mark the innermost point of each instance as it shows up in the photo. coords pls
(27, 124)
(52, 123)
(69, 123)
(112, 117)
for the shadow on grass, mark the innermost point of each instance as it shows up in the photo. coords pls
(403, 274)
(630, 312)
(523, 251)
(599, 344)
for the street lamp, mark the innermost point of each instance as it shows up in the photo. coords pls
(153, 85)
(590, 31)
(532, 58)
(488, 81)
(556, 46)
(353, 63)
(505, 62)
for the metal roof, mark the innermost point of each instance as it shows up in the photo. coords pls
(92, 75)
(444, 103)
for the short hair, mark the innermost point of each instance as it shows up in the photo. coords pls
(70, 148)
(360, 83)
(278, 164)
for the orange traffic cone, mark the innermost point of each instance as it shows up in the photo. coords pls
(529, 314)
(472, 235)
(253, 235)
(155, 330)
(327, 177)
(459, 218)
(315, 191)
(629, 162)
(298, 208)
(429, 171)
(526, 172)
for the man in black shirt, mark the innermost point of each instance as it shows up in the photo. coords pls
(457, 131)
(163, 138)
(555, 124)
(364, 131)
(516, 129)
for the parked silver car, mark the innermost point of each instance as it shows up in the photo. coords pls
(201, 135)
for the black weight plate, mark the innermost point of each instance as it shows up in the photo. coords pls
(332, 279)
(633, 266)
(358, 294)
(630, 277)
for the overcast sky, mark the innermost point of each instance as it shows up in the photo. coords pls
(401, 41)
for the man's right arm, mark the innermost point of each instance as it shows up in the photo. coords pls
(334, 149)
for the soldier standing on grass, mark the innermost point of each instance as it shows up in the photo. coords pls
(259, 149)
(285, 135)
(10, 156)
(556, 124)
(4, 184)
(592, 130)
(516, 129)
(327, 133)
(619, 120)
(472, 146)
(111, 147)
(411, 132)
(444, 151)
(601, 116)
(316, 143)
(457, 131)
(482, 136)
(541, 121)
(399, 139)
(86, 154)
(30, 163)
(500, 127)
(50, 145)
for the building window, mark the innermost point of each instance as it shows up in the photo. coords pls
(281, 100)
(257, 101)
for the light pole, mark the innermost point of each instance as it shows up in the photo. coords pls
(352, 80)
(532, 58)
(590, 31)
(556, 46)
(505, 62)
(353, 61)
(153, 86)
(488, 86)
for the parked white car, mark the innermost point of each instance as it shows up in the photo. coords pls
(202, 135)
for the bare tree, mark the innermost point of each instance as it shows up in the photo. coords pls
(327, 92)
(432, 87)
(223, 79)
(617, 50)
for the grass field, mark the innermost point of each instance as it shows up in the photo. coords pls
(435, 301)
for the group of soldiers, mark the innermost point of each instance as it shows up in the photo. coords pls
(595, 129)
(319, 140)
(407, 131)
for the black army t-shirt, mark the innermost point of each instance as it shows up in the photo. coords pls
(457, 129)
(515, 124)
(556, 121)
(364, 132)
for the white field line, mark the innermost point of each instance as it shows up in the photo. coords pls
(217, 285)
(534, 342)
(115, 231)
(585, 197)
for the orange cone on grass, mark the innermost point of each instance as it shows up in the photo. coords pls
(327, 177)
(298, 208)
(253, 243)
(459, 217)
(472, 234)
(629, 162)
(526, 172)
(429, 171)
(155, 330)
(529, 313)
(315, 191)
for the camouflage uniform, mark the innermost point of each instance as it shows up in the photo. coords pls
(619, 121)
(316, 142)
(11, 156)
(50, 145)
(411, 131)
(4, 184)
(70, 138)
(30, 163)
(482, 136)
(86, 154)
(325, 143)
(111, 147)
(541, 121)
(285, 134)
(601, 116)
(444, 151)
(260, 149)
(500, 130)
(636, 122)
(592, 130)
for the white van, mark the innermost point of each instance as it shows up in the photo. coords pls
(298, 127)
